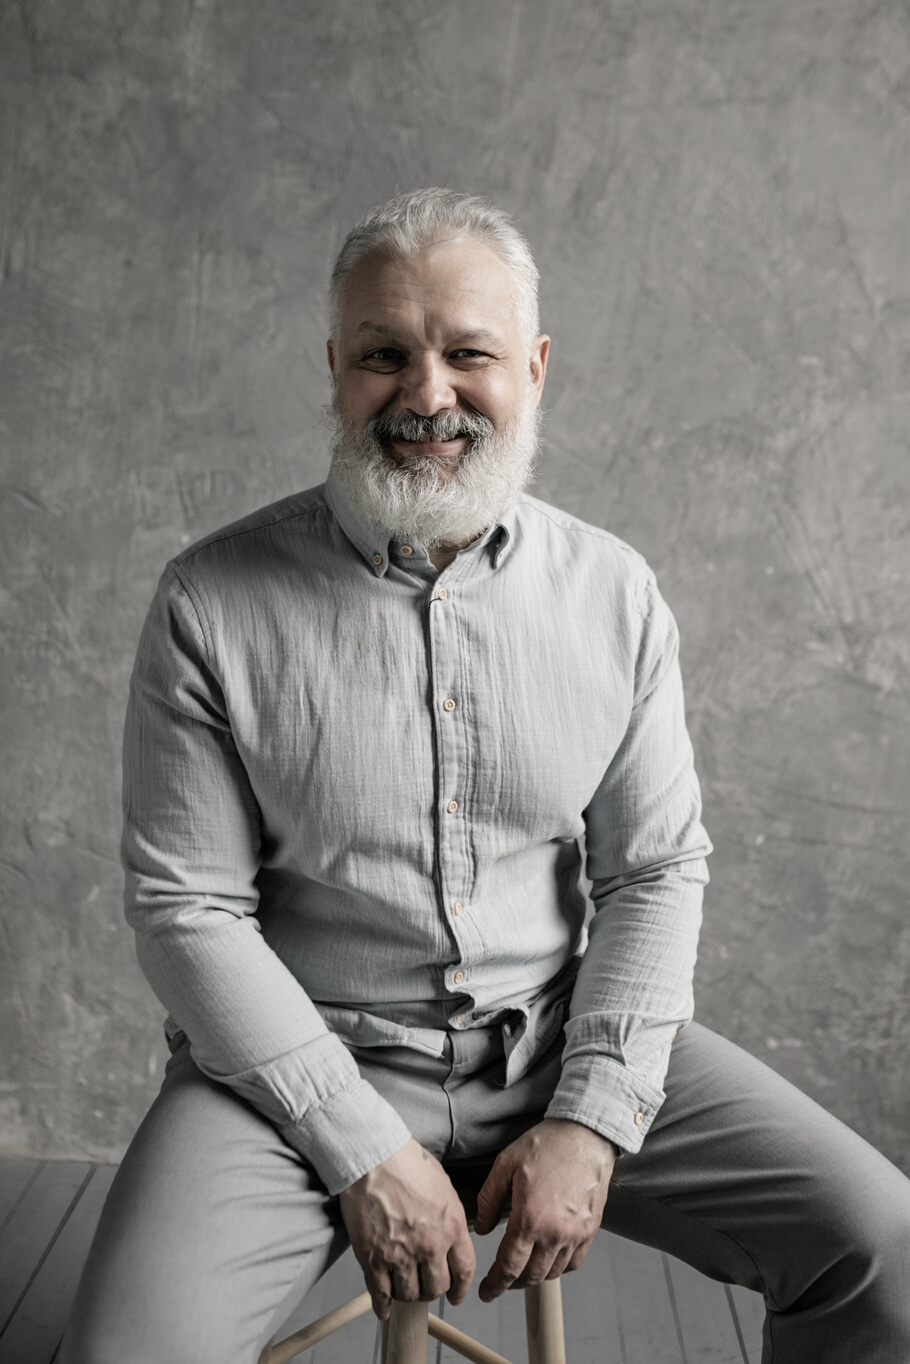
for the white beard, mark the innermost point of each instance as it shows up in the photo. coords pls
(413, 499)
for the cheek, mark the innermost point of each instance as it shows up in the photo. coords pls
(496, 396)
(364, 397)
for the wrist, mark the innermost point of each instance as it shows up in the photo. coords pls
(591, 1137)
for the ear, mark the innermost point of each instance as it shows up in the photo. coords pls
(330, 351)
(540, 352)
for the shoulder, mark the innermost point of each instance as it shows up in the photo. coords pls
(562, 525)
(583, 548)
(297, 516)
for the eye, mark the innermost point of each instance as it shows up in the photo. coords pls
(385, 358)
(465, 353)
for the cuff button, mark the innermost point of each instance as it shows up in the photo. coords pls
(638, 1119)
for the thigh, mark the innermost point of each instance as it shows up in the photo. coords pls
(746, 1178)
(213, 1228)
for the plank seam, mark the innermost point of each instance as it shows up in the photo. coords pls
(30, 1181)
(47, 1250)
(617, 1304)
(736, 1326)
(672, 1292)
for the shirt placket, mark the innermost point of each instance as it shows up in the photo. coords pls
(453, 751)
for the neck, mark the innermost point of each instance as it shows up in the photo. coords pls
(443, 554)
(441, 558)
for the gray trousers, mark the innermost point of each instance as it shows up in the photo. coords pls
(214, 1228)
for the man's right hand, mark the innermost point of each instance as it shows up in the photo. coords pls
(408, 1231)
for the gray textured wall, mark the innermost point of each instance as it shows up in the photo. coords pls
(717, 193)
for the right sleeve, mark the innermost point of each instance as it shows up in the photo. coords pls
(191, 853)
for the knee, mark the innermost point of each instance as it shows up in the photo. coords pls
(885, 1253)
(868, 1267)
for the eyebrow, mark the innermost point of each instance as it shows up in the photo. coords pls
(476, 334)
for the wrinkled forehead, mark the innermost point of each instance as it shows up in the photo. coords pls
(459, 284)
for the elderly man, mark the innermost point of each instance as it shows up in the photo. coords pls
(368, 726)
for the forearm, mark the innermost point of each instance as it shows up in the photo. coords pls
(253, 1027)
(632, 994)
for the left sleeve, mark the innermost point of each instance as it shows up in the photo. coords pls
(646, 849)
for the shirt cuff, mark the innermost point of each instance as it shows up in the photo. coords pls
(601, 1094)
(352, 1132)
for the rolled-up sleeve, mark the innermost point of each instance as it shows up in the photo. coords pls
(191, 853)
(646, 851)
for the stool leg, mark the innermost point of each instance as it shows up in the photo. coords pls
(543, 1314)
(404, 1335)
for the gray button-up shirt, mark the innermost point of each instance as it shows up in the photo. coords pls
(353, 793)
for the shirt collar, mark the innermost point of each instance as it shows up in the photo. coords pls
(374, 543)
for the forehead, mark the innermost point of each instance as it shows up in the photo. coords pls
(451, 285)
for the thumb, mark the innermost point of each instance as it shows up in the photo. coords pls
(493, 1196)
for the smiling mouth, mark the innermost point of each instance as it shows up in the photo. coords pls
(445, 438)
(453, 445)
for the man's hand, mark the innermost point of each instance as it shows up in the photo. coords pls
(408, 1230)
(558, 1174)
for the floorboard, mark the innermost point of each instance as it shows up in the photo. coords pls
(15, 1178)
(32, 1227)
(750, 1312)
(706, 1323)
(642, 1305)
(34, 1330)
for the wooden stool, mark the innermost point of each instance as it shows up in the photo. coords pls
(404, 1335)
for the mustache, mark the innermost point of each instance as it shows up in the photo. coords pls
(389, 426)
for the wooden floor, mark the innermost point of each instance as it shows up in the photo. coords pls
(628, 1305)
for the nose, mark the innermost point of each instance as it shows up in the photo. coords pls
(425, 387)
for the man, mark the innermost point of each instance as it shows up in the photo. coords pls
(368, 726)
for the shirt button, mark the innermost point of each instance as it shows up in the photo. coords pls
(407, 549)
(458, 977)
(448, 704)
(452, 806)
(507, 1029)
(457, 907)
(377, 559)
(460, 1020)
(638, 1119)
(442, 592)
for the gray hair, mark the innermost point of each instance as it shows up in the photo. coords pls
(410, 222)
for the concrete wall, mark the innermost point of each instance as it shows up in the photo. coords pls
(717, 193)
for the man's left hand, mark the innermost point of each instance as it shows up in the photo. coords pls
(557, 1174)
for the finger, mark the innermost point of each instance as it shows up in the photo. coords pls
(434, 1279)
(538, 1267)
(561, 1264)
(382, 1306)
(379, 1287)
(511, 1259)
(462, 1263)
(405, 1283)
(578, 1257)
(492, 1197)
